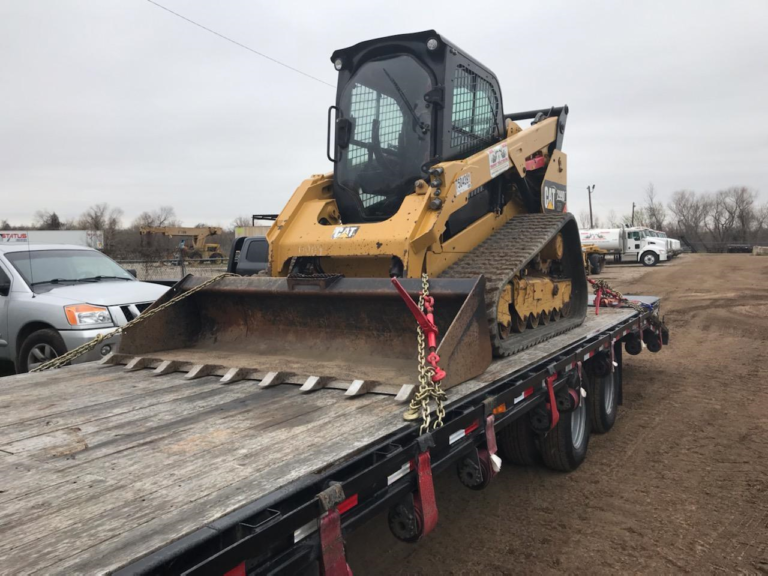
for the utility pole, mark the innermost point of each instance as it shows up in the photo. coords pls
(633, 214)
(591, 224)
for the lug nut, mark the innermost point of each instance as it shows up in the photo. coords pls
(436, 204)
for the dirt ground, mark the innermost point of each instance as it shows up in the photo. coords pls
(679, 485)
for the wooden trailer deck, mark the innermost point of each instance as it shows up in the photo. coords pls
(100, 466)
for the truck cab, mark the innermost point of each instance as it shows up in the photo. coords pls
(645, 247)
(249, 256)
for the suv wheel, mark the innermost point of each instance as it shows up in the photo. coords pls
(39, 347)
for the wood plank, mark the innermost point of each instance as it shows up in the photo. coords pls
(164, 492)
(97, 386)
(159, 397)
(182, 520)
(164, 460)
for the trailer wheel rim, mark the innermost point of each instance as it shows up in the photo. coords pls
(40, 354)
(579, 425)
(609, 391)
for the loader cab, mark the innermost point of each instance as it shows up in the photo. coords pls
(403, 104)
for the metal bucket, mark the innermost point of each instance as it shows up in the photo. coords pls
(354, 334)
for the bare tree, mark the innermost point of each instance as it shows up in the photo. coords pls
(722, 219)
(241, 221)
(761, 222)
(45, 220)
(5, 225)
(613, 219)
(102, 217)
(742, 203)
(584, 220)
(163, 216)
(654, 211)
(690, 212)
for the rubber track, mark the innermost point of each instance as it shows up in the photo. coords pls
(499, 258)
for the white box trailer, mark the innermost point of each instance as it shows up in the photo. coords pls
(89, 238)
(633, 244)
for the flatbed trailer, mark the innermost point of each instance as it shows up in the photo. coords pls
(106, 470)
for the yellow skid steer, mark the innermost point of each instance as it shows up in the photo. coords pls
(436, 197)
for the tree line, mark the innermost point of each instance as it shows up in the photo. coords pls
(709, 221)
(121, 240)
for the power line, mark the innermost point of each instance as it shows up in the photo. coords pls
(236, 43)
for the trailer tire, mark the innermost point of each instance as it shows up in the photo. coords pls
(603, 397)
(649, 258)
(517, 443)
(564, 447)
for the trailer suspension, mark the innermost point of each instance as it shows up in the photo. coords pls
(478, 469)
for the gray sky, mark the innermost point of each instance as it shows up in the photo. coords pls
(120, 101)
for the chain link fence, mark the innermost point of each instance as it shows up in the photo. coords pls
(153, 270)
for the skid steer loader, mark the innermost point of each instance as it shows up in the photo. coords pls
(432, 186)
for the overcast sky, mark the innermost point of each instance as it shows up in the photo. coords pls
(119, 101)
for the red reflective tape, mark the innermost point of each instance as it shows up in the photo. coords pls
(424, 499)
(332, 560)
(554, 414)
(472, 427)
(528, 392)
(349, 503)
(238, 570)
(490, 434)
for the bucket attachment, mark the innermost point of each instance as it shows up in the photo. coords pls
(354, 334)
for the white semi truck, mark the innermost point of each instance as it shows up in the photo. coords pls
(629, 244)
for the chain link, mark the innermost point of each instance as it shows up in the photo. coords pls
(428, 389)
(88, 346)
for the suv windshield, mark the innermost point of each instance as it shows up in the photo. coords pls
(44, 269)
(390, 140)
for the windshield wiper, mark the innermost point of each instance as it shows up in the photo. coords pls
(54, 281)
(97, 278)
(424, 127)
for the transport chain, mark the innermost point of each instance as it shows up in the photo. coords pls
(60, 361)
(428, 388)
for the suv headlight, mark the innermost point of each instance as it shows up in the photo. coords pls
(86, 315)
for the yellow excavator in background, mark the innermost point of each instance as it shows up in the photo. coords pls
(434, 187)
(199, 248)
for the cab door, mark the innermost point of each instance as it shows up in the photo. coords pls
(633, 242)
(5, 302)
